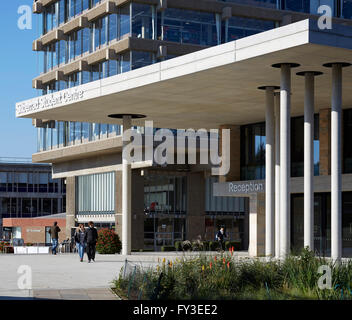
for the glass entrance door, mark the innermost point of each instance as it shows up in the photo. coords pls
(322, 225)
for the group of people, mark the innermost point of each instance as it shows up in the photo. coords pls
(84, 238)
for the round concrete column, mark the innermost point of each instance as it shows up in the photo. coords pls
(309, 158)
(269, 171)
(336, 161)
(126, 194)
(285, 156)
(277, 175)
(126, 184)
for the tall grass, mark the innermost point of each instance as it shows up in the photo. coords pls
(224, 277)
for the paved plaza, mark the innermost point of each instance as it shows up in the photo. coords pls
(64, 277)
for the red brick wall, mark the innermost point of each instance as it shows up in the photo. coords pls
(33, 230)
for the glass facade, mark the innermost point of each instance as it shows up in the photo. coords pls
(186, 26)
(165, 194)
(322, 222)
(260, 3)
(165, 206)
(238, 27)
(297, 146)
(347, 134)
(346, 7)
(27, 192)
(58, 134)
(253, 149)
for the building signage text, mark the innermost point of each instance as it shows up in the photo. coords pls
(49, 101)
(248, 187)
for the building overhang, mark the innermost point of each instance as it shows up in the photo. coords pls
(209, 87)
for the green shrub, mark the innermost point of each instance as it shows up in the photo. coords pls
(178, 245)
(186, 245)
(206, 245)
(167, 248)
(213, 245)
(108, 242)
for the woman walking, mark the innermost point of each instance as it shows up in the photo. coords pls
(80, 240)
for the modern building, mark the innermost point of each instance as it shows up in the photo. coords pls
(27, 190)
(201, 64)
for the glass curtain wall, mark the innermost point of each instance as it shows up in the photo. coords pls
(58, 134)
(238, 27)
(347, 133)
(186, 26)
(253, 151)
(165, 206)
(260, 3)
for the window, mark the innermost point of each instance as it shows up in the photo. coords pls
(185, 26)
(96, 193)
(125, 21)
(259, 3)
(347, 133)
(253, 152)
(62, 11)
(297, 5)
(85, 34)
(62, 51)
(141, 59)
(112, 20)
(347, 9)
(125, 62)
(297, 146)
(165, 194)
(143, 21)
(237, 27)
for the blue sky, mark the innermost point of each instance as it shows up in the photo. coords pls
(18, 66)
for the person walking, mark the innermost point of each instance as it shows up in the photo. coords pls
(54, 232)
(79, 236)
(91, 237)
(220, 237)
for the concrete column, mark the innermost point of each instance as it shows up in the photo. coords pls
(277, 175)
(70, 204)
(269, 171)
(195, 218)
(309, 158)
(256, 225)
(309, 161)
(126, 195)
(336, 161)
(285, 157)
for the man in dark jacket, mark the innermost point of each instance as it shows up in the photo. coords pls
(220, 236)
(91, 238)
(54, 232)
